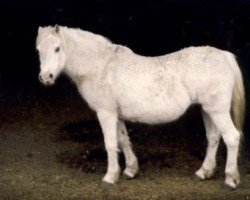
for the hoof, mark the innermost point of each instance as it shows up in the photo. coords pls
(228, 187)
(127, 177)
(197, 178)
(105, 184)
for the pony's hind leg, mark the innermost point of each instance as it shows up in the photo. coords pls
(231, 137)
(213, 137)
(124, 143)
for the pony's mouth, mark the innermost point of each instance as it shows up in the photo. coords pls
(48, 83)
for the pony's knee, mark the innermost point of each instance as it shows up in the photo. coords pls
(111, 147)
(213, 139)
(123, 140)
(231, 138)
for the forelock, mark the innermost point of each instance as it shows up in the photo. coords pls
(43, 33)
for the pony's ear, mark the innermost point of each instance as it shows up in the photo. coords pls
(57, 28)
(40, 29)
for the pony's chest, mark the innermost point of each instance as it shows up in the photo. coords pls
(96, 95)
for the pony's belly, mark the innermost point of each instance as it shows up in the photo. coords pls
(152, 114)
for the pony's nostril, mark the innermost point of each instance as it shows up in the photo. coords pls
(50, 76)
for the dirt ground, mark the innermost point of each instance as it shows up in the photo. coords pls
(53, 149)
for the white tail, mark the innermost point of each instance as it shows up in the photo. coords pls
(238, 98)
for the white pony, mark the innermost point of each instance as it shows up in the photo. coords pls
(121, 85)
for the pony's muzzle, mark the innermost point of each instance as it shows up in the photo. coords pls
(46, 79)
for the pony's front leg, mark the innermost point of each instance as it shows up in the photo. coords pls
(108, 122)
(131, 160)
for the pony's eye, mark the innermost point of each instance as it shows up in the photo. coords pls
(57, 49)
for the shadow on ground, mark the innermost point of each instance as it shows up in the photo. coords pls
(53, 149)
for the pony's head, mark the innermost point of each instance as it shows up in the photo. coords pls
(52, 56)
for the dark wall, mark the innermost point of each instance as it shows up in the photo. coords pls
(149, 27)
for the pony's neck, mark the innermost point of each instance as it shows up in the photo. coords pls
(87, 53)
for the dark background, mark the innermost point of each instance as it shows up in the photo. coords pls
(149, 27)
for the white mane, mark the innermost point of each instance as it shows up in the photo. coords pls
(90, 35)
(45, 31)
